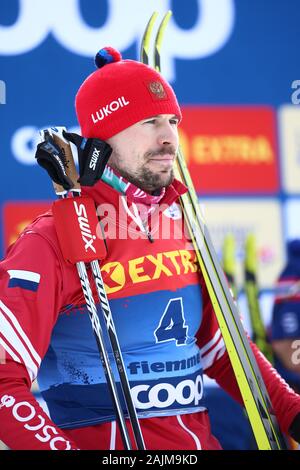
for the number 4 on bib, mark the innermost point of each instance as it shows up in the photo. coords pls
(172, 324)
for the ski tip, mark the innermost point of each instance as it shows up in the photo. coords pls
(145, 44)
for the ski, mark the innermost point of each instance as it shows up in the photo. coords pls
(248, 376)
(252, 293)
(229, 264)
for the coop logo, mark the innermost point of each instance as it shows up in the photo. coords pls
(84, 226)
(24, 412)
(210, 32)
(166, 395)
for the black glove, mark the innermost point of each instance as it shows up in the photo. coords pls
(295, 428)
(52, 158)
(93, 155)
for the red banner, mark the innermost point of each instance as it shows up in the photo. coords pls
(17, 215)
(231, 149)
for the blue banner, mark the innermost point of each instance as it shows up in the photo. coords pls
(215, 52)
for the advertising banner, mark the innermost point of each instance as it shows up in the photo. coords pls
(231, 149)
(260, 217)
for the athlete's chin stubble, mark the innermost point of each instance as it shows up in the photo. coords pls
(147, 180)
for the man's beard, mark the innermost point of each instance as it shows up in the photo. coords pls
(144, 178)
(147, 180)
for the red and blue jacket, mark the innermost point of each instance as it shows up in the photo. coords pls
(165, 322)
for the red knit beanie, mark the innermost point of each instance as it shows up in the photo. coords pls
(121, 93)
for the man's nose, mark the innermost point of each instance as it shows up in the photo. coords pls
(168, 135)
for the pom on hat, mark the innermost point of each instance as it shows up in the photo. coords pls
(107, 55)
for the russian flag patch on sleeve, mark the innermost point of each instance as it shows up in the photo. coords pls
(27, 280)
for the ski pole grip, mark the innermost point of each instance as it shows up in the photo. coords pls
(70, 167)
(58, 188)
(51, 157)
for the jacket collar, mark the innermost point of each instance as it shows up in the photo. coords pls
(102, 192)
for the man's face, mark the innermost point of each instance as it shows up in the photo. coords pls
(144, 153)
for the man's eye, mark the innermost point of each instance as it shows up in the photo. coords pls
(174, 122)
(151, 121)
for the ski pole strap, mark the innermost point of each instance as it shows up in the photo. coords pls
(76, 225)
(52, 158)
(93, 155)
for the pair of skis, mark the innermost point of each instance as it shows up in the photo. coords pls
(247, 373)
(251, 288)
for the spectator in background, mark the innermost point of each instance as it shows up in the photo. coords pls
(285, 334)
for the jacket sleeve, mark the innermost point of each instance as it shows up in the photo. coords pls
(30, 299)
(285, 402)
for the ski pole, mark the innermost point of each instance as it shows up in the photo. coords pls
(104, 303)
(63, 159)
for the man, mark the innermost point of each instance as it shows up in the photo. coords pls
(164, 319)
(286, 319)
